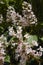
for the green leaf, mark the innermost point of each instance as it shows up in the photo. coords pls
(41, 38)
(7, 58)
(31, 38)
(35, 38)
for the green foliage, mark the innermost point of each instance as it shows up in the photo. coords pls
(31, 38)
(41, 38)
(7, 59)
(18, 5)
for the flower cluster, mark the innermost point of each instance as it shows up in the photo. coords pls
(22, 44)
(2, 50)
(27, 19)
(24, 48)
(28, 13)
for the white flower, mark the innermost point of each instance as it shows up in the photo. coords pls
(2, 51)
(40, 48)
(13, 16)
(1, 2)
(23, 60)
(27, 36)
(19, 28)
(32, 13)
(29, 5)
(1, 36)
(13, 44)
(32, 22)
(19, 48)
(19, 35)
(29, 10)
(24, 3)
(40, 53)
(2, 58)
(11, 31)
(18, 15)
(25, 43)
(37, 54)
(28, 50)
(34, 43)
(16, 56)
(19, 32)
(10, 8)
(1, 44)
